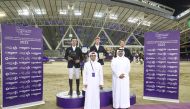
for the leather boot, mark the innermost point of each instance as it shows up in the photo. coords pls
(71, 87)
(78, 83)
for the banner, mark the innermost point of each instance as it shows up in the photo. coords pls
(161, 66)
(22, 67)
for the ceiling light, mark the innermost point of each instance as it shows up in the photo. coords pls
(62, 12)
(70, 35)
(98, 14)
(2, 14)
(40, 12)
(132, 20)
(77, 13)
(146, 23)
(113, 16)
(70, 7)
(23, 12)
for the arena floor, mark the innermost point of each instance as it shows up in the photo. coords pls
(56, 80)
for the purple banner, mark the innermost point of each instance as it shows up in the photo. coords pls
(161, 66)
(22, 67)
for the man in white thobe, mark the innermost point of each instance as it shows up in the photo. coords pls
(92, 81)
(120, 80)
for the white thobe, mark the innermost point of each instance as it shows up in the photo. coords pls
(120, 87)
(92, 94)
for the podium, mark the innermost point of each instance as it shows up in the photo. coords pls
(66, 101)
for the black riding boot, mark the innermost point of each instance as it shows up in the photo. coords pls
(78, 83)
(70, 86)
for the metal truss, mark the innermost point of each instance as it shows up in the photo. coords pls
(132, 33)
(87, 23)
(61, 41)
(28, 6)
(181, 26)
(84, 22)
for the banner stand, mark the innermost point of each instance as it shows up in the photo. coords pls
(24, 105)
(22, 66)
(161, 66)
(161, 99)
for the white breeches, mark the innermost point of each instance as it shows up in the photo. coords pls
(74, 71)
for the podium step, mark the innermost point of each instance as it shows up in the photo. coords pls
(66, 101)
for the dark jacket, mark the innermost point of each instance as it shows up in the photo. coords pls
(100, 50)
(75, 55)
(128, 54)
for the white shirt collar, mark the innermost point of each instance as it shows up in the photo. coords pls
(97, 46)
(74, 47)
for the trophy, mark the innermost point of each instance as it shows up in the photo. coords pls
(84, 50)
(101, 55)
(73, 55)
